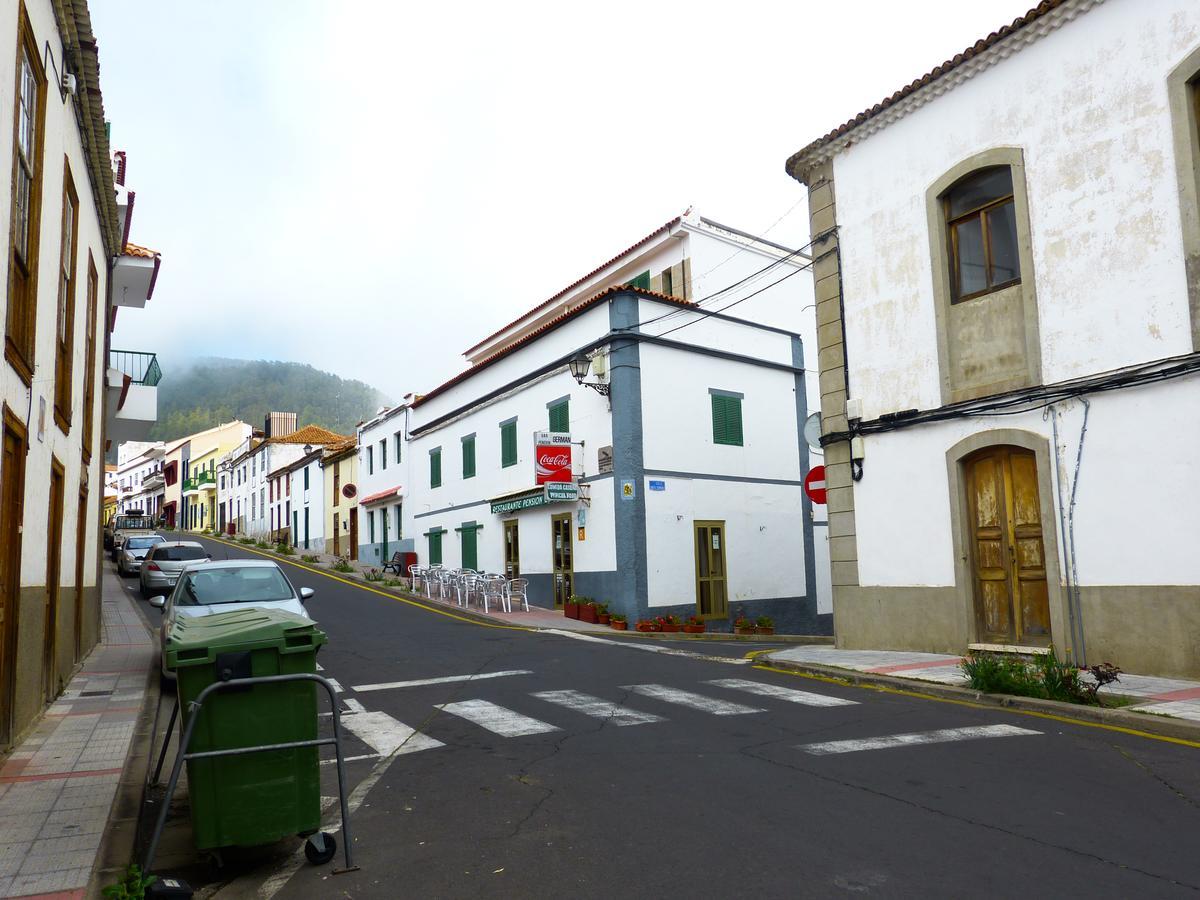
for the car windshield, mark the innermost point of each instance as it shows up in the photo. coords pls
(133, 523)
(179, 554)
(249, 584)
(142, 543)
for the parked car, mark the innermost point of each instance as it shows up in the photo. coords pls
(163, 563)
(128, 526)
(133, 550)
(206, 588)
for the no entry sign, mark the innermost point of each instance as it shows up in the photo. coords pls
(814, 484)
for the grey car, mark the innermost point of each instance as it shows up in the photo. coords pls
(206, 588)
(134, 550)
(164, 562)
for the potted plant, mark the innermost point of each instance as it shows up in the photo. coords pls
(742, 625)
(668, 623)
(602, 615)
(764, 625)
(693, 625)
(587, 612)
(571, 607)
(618, 621)
(647, 625)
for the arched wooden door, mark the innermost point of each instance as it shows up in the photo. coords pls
(1008, 562)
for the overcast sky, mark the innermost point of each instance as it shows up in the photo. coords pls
(370, 187)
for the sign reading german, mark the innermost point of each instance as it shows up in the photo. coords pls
(551, 456)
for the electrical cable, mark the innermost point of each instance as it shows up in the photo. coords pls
(710, 312)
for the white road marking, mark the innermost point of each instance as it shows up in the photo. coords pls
(942, 736)
(337, 687)
(693, 701)
(333, 760)
(781, 693)
(597, 708)
(448, 679)
(353, 705)
(666, 651)
(497, 719)
(385, 735)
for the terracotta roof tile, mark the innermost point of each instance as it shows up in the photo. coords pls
(140, 252)
(310, 434)
(928, 78)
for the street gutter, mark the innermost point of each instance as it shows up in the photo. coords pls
(1146, 725)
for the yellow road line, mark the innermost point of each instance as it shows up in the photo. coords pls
(887, 689)
(753, 654)
(390, 596)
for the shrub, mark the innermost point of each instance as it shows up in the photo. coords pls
(1045, 676)
(284, 549)
(373, 575)
(262, 545)
(764, 622)
(245, 540)
(132, 886)
(619, 617)
(342, 566)
(393, 582)
(309, 558)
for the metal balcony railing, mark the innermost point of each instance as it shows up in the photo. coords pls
(142, 368)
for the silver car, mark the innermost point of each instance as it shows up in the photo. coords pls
(206, 588)
(163, 563)
(133, 551)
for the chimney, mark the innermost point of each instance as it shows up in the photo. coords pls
(279, 424)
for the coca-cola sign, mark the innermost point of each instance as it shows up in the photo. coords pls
(551, 456)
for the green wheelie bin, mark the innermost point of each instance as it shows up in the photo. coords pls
(252, 798)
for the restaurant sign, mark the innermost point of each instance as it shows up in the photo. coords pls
(553, 492)
(551, 456)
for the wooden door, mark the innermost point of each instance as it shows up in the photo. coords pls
(512, 549)
(712, 598)
(1008, 560)
(53, 579)
(354, 532)
(562, 557)
(337, 536)
(81, 529)
(12, 492)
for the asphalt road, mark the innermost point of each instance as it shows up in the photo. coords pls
(590, 775)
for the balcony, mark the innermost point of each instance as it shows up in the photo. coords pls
(131, 402)
(133, 276)
(201, 481)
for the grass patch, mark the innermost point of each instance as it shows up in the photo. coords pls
(262, 545)
(245, 540)
(393, 582)
(342, 566)
(284, 549)
(310, 558)
(373, 575)
(1045, 677)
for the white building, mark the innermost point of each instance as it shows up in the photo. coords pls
(382, 465)
(303, 503)
(686, 461)
(1010, 396)
(140, 485)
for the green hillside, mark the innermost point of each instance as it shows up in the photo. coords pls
(210, 391)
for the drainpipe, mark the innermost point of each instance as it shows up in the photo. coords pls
(1066, 516)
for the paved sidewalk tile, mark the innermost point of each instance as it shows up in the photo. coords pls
(57, 787)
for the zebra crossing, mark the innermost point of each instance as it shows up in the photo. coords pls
(386, 736)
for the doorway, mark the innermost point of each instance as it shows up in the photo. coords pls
(53, 579)
(561, 555)
(1008, 561)
(512, 550)
(12, 492)
(354, 532)
(80, 552)
(712, 599)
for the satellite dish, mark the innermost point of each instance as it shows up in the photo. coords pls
(812, 431)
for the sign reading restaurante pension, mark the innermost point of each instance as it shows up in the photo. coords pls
(552, 492)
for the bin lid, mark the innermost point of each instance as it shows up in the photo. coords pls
(196, 640)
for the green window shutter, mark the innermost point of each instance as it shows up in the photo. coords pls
(727, 420)
(560, 416)
(371, 526)
(468, 455)
(435, 548)
(435, 468)
(370, 461)
(641, 281)
(470, 547)
(508, 444)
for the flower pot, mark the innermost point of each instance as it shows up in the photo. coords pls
(571, 610)
(647, 626)
(667, 626)
(749, 629)
(694, 629)
(763, 629)
(604, 619)
(587, 614)
(619, 626)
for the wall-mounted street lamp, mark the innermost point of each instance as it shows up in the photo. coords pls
(579, 367)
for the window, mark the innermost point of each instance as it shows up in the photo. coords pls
(469, 545)
(726, 417)
(508, 443)
(306, 478)
(667, 282)
(435, 547)
(27, 203)
(560, 415)
(399, 521)
(383, 454)
(435, 467)
(64, 349)
(981, 222)
(641, 281)
(337, 482)
(1183, 93)
(370, 460)
(371, 526)
(397, 438)
(89, 356)
(262, 501)
(468, 456)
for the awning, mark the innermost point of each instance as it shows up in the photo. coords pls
(382, 496)
(551, 492)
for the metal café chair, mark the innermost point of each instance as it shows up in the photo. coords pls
(494, 591)
(518, 587)
(446, 584)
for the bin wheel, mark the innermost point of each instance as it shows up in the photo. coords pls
(320, 848)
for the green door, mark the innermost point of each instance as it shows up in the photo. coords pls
(470, 547)
(383, 518)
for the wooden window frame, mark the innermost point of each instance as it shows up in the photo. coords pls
(89, 378)
(721, 435)
(980, 212)
(20, 333)
(64, 334)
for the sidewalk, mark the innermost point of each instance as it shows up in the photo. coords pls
(57, 787)
(1163, 696)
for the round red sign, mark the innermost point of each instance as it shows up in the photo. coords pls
(814, 484)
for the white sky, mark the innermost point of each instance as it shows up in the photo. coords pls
(371, 187)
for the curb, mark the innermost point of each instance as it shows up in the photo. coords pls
(1176, 730)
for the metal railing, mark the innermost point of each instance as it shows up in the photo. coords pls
(142, 368)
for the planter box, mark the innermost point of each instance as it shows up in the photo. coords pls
(571, 610)
(604, 619)
(694, 629)
(649, 626)
(619, 626)
(588, 614)
(763, 629)
(749, 629)
(667, 626)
